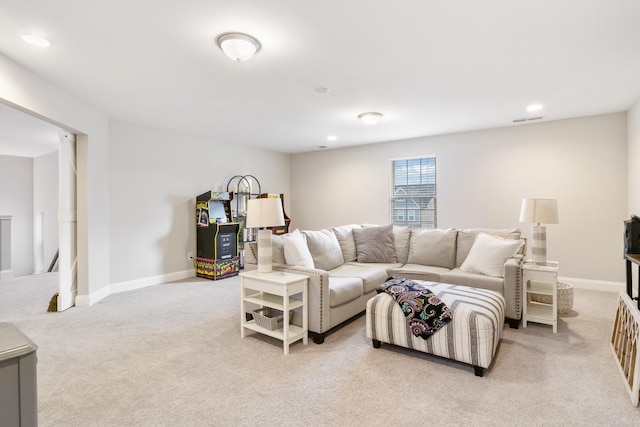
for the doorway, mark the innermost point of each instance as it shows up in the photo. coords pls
(53, 205)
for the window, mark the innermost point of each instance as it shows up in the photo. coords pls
(413, 192)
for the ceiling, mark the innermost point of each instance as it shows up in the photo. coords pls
(429, 66)
(25, 136)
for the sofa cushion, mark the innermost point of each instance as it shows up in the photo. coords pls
(346, 241)
(474, 280)
(343, 290)
(277, 248)
(375, 244)
(401, 239)
(489, 254)
(296, 251)
(419, 272)
(371, 277)
(433, 247)
(466, 237)
(324, 248)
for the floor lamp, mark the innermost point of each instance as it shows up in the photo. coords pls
(261, 213)
(537, 212)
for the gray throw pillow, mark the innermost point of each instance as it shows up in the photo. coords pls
(277, 249)
(375, 244)
(433, 247)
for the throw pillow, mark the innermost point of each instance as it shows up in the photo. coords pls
(489, 254)
(277, 248)
(467, 236)
(296, 251)
(433, 247)
(401, 238)
(375, 244)
(324, 248)
(347, 244)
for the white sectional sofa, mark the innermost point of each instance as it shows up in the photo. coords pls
(345, 265)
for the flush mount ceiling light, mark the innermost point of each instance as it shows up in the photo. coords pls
(370, 118)
(238, 46)
(36, 40)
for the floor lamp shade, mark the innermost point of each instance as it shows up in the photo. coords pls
(537, 212)
(262, 213)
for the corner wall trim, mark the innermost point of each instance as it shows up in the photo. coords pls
(130, 285)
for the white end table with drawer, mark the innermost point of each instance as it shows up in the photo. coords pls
(275, 290)
(540, 279)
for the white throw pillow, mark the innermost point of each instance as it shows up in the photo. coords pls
(489, 254)
(296, 251)
(346, 241)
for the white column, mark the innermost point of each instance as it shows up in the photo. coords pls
(67, 259)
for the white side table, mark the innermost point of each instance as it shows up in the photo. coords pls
(540, 279)
(275, 290)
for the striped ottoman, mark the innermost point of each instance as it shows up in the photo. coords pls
(471, 337)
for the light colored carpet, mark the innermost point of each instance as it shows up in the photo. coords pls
(171, 355)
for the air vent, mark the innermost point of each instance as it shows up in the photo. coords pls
(527, 119)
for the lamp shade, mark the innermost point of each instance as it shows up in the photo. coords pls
(539, 211)
(264, 212)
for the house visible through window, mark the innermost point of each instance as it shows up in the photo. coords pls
(413, 192)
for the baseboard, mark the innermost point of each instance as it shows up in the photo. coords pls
(595, 285)
(130, 285)
(87, 300)
(6, 274)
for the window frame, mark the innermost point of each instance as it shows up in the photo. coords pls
(417, 192)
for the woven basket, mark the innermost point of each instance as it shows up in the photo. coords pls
(565, 298)
(269, 318)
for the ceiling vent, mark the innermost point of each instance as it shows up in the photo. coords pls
(527, 119)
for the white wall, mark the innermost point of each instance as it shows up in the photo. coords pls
(22, 89)
(482, 178)
(45, 200)
(16, 199)
(155, 176)
(633, 159)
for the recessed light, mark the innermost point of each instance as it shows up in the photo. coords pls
(36, 40)
(534, 107)
(332, 138)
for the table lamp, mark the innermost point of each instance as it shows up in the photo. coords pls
(537, 212)
(261, 213)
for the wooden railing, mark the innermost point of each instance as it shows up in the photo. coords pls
(625, 337)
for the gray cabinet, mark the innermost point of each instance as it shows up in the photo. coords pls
(18, 385)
